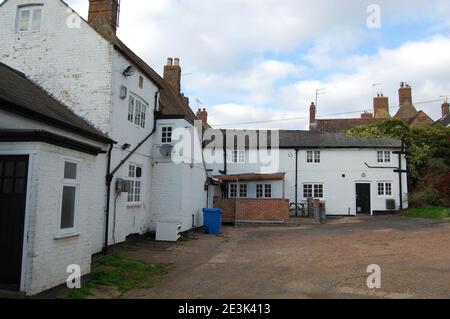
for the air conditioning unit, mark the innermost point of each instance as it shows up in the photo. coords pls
(168, 231)
(390, 204)
(122, 186)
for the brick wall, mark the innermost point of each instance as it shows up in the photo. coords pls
(254, 210)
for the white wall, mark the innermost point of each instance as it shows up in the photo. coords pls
(46, 256)
(339, 192)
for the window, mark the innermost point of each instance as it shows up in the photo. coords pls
(268, 191)
(384, 189)
(137, 111)
(29, 19)
(69, 196)
(313, 157)
(384, 156)
(313, 191)
(238, 156)
(242, 190)
(141, 81)
(259, 191)
(233, 191)
(135, 175)
(166, 136)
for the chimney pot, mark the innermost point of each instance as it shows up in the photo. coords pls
(202, 115)
(176, 61)
(169, 61)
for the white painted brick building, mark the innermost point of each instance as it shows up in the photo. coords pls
(86, 67)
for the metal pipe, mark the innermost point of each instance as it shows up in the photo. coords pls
(296, 182)
(400, 174)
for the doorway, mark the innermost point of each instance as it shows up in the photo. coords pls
(13, 193)
(363, 199)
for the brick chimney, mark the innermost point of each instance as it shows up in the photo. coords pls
(202, 115)
(445, 109)
(312, 114)
(104, 16)
(405, 94)
(172, 74)
(381, 106)
(367, 116)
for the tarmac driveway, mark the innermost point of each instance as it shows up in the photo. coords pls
(302, 260)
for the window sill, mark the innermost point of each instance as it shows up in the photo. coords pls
(134, 205)
(65, 236)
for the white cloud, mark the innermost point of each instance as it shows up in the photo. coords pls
(243, 55)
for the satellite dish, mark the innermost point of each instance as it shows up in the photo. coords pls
(166, 150)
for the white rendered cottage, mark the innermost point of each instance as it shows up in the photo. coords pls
(86, 67)
(52, 187)
(349, 175)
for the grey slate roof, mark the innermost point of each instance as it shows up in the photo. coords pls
(445, 121)
(307, 139)
(20, 95)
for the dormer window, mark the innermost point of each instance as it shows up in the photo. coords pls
(29, 19)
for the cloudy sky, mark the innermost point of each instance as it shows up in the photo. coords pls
(262, 60)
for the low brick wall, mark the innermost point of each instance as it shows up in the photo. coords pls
(253, 210)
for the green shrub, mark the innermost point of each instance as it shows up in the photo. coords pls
(425, 198)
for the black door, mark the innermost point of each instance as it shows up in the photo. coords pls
(363, 198)
(13, 186)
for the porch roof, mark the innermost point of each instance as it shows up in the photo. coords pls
(251, 177)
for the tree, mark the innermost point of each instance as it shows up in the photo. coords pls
(428, 149)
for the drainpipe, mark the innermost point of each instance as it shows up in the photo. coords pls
(110, 175)
(400, 174)
(296, 182)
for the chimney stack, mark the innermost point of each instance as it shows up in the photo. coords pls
(172, 74)
(202, 115)
(367, 116)
(104, 16)
(445, 109)
(312, 114)
(381, 106)
(405, 94)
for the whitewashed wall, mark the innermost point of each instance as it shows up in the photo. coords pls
(339, 192)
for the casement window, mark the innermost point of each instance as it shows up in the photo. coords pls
(238, 156)
(313, 157)
(137, 110)
(259, 191)
(312, 191)
(29, 19)
(135, 177)
(69, 197)
(263, 191)
(384, 189)
(268, 191)
(166, 134)
(233, 191)
(243, 191)
(384, 156)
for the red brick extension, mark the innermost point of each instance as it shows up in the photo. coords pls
(253, 210)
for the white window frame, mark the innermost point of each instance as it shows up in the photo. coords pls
(61, 233)
(313, 157)
(232, 188)
(167, 134)
(384, 156)
(32, 8)
(238, 156)
(313, 187)
(137, 110)
(268, 189)
(131, 196)
(243, 188)
(259, 190)
(382, 189)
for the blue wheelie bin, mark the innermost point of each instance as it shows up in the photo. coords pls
(213, 220)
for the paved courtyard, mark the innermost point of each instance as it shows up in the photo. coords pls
(303, 260)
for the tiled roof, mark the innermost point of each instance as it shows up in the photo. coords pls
(445, 121)
(19, 94)
(406, 112)
(306, 139)
(340, 125)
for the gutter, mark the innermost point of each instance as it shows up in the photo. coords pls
(111, 173)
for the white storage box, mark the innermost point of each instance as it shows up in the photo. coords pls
(168, 231)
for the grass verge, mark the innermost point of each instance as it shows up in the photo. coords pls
(429, 212)
(124, 274)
